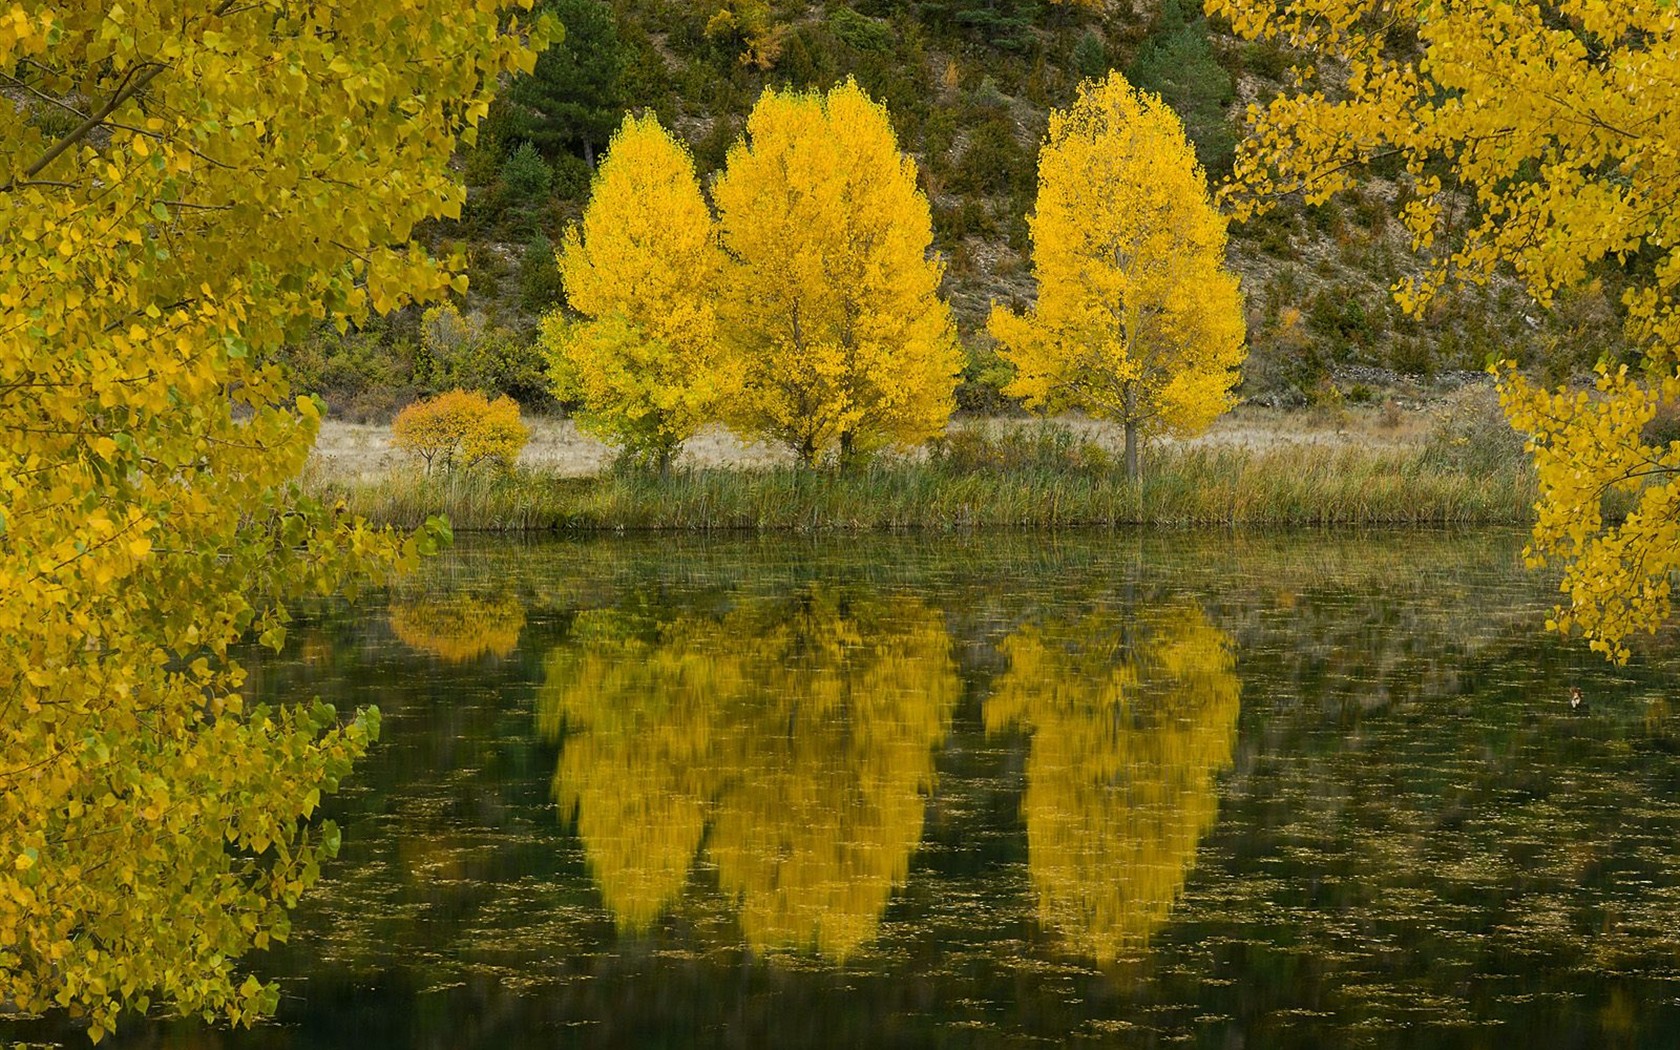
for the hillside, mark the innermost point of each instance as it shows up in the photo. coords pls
(969, 84)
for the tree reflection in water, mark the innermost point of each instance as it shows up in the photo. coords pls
(1131, 720)
(459, 627)
(793, 740)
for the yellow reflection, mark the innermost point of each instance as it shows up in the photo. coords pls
(1131, 722)
(638, 767)
(801, 733)
(460, 627)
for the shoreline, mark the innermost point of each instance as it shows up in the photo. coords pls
(1455, 464)
(1303, 486)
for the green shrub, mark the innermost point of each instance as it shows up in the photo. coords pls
(986, 96)
(994, 162)
(1272, 232)
(860, 31)
(1266, 58)
(362, 374)
(539, 276)
(517, 198)
(571, 178)
(525, 176)
(968, 219)
(470, 353)
(1338, 315)
(984, 374)
(1034, 448)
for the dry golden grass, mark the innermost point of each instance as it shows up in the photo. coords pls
(362, 453)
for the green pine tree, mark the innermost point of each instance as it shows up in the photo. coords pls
(1177, 63)
(572, 100)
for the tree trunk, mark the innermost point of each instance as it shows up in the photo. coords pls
(1133, 470)
(589, 153)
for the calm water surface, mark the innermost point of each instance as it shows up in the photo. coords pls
(1214, 790)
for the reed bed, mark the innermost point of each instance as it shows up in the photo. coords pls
(1044, 483)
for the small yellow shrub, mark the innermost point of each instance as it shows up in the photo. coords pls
(463, 428)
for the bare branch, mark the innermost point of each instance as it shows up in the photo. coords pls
(132, 83)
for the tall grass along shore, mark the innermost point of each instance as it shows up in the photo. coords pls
(1041, 479)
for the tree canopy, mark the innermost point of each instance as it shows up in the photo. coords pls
(572, 99)
(1536, 140)
(168, 212)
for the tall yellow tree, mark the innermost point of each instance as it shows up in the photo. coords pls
(1131, 723)
(1539, 140)
(642, 267)
(831, 304)
(1137, 319)
(168, 210)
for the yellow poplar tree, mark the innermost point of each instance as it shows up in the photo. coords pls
(182, 184)
(642, 267)
(1137, 319)
(831, 304)
(1536, 139)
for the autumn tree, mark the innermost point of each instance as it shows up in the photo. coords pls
(643, 268)
(168, 212)
(747, 29)
(831, 305)
(1137, 319)
(1131, 721)
(1535, 140)
(461, 428)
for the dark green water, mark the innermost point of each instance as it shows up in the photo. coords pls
(1222, 791)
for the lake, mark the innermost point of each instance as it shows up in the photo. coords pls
(1214, 789)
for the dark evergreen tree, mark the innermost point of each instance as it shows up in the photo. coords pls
(572, 100)
(1090, 56)
(1003, 24)
(1177, 63)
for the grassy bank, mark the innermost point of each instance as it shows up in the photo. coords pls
(984, 488)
